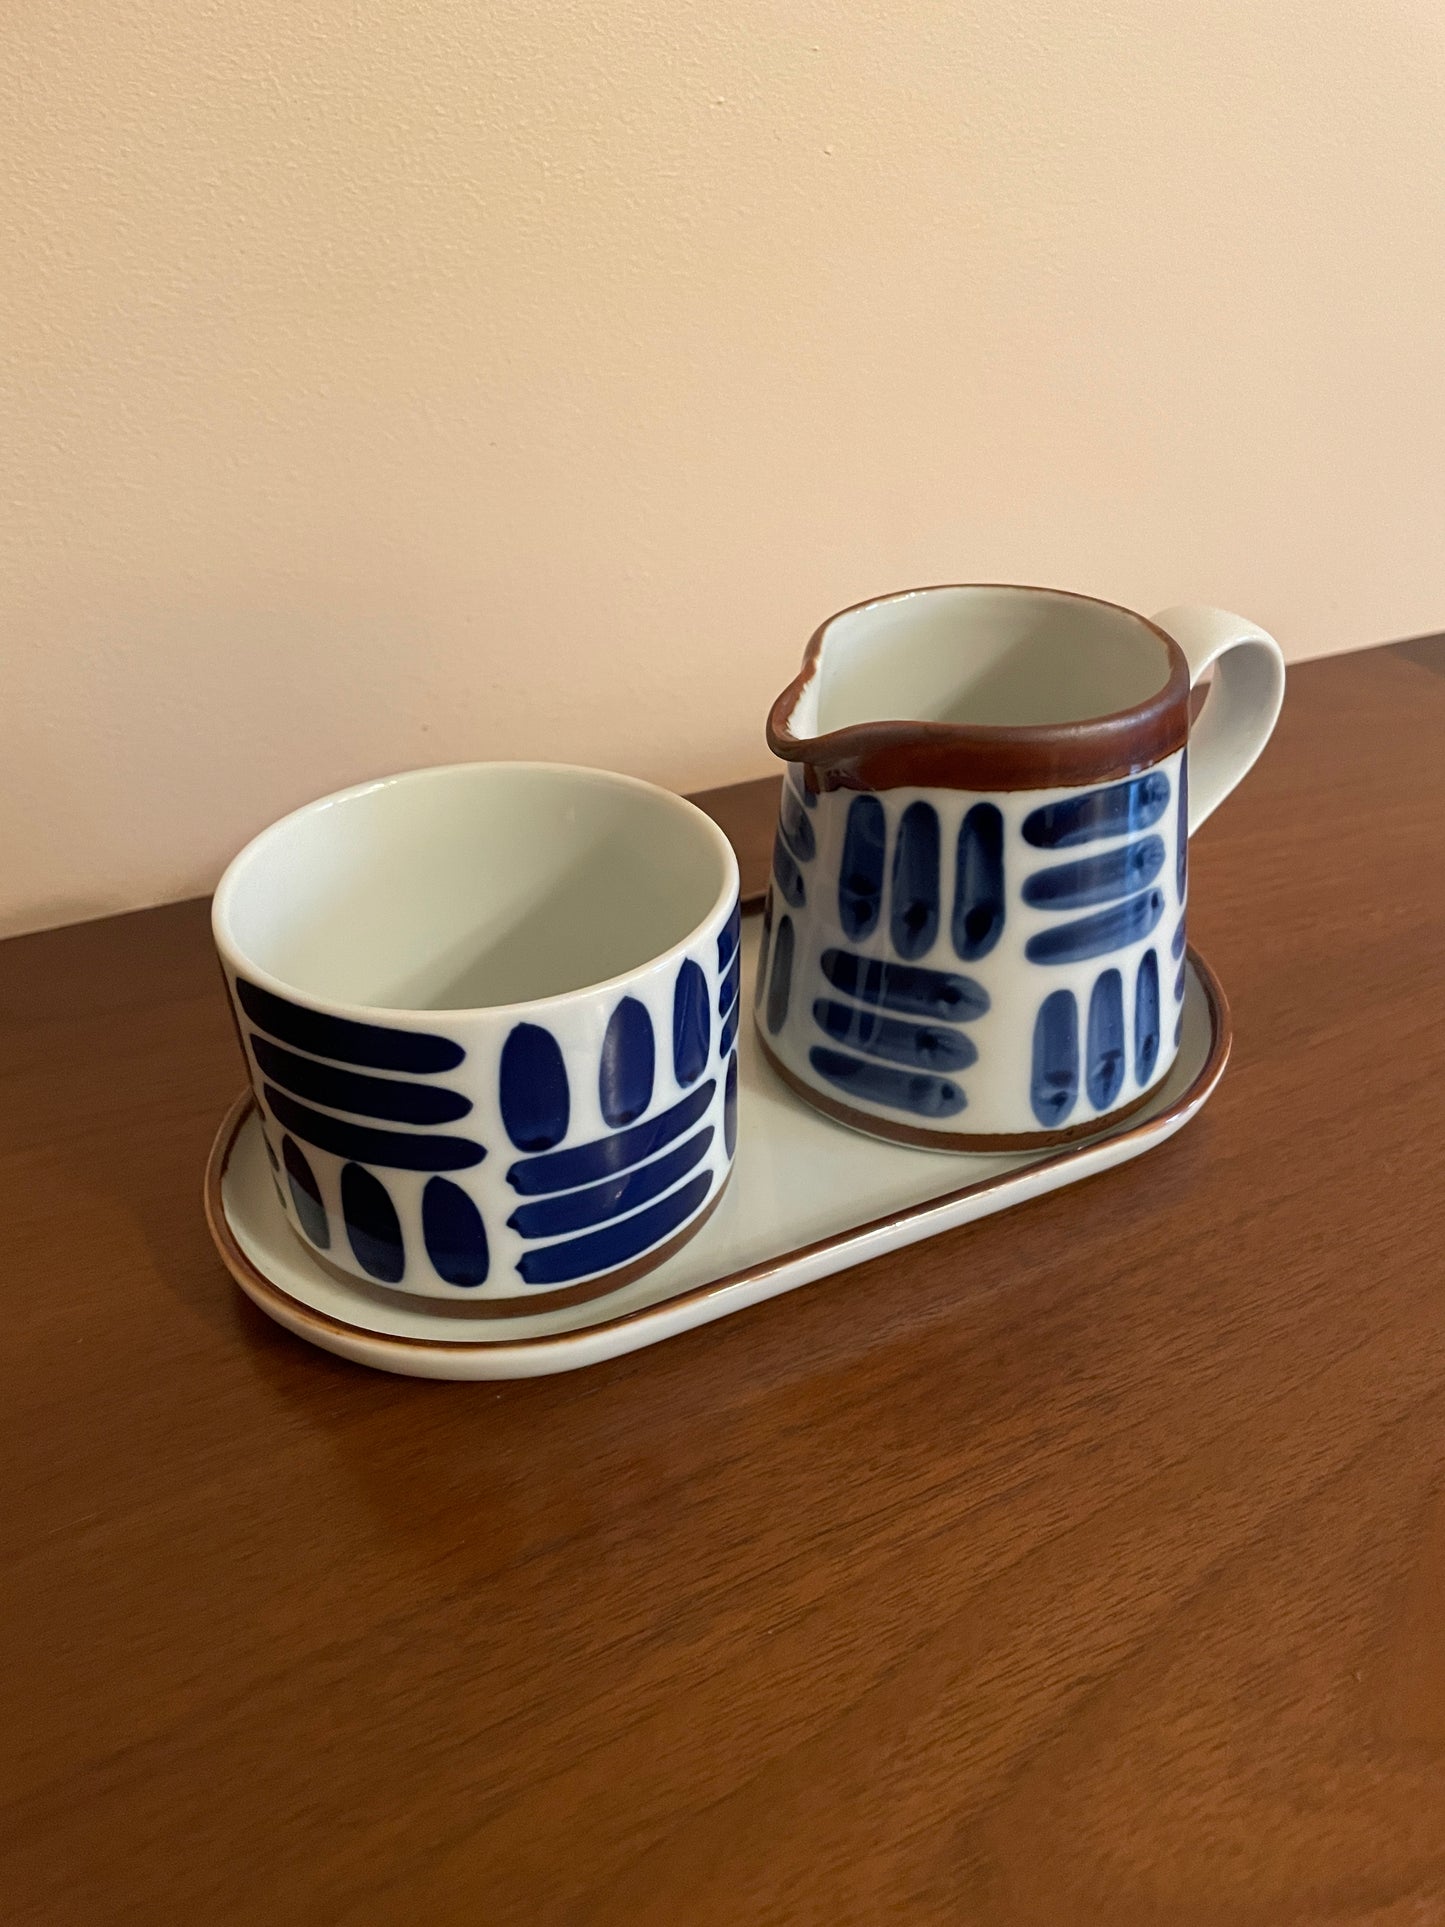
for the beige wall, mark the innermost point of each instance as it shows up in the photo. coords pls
(422, 379)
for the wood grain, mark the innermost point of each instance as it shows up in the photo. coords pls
(1083, 1565)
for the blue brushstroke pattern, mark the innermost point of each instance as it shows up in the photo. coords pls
(780, 976)
(909, 989)
(794, 827)
(456, 1238)
(727, 990)
(925, 1047)
(787, 875)
(691, 1023)
(1096, 879)
(372, 1225)
(536, 1102)
(1146, 1017)
(627, 1066)
(576, 1210)
(1054, 1085)
(375, 1045)
(616, 1243)
(1176, 942)
(727, 1036)
(913, 917)
(1095, 936)
(800, 784)
(354, 1091)
(305, 1193)
(727, 937)
(860, 873)
(730, 1107)
(401, 1150)
(1179, 985)
(913, 1091)
(979, 904)
(1119, 810)
(1105, 1055)
(1181, 855)
(605, 1156)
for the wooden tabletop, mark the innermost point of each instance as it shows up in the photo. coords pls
(1086, 1564)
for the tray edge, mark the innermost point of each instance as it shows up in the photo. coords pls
(701, 1304)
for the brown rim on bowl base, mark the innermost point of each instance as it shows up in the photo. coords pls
(903, 754)
(983, 1142)
(512, 1305)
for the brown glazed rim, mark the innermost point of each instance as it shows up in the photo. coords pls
(297, 1316)
(985, 756)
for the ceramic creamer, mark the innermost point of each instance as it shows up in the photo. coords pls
(976, 924)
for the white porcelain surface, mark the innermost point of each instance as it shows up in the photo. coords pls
(799, 1181)
(459, 992)
(1245, 698)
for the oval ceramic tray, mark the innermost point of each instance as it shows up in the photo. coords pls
(807, 1198)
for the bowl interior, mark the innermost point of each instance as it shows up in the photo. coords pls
(1003, 657)
(470, 886)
